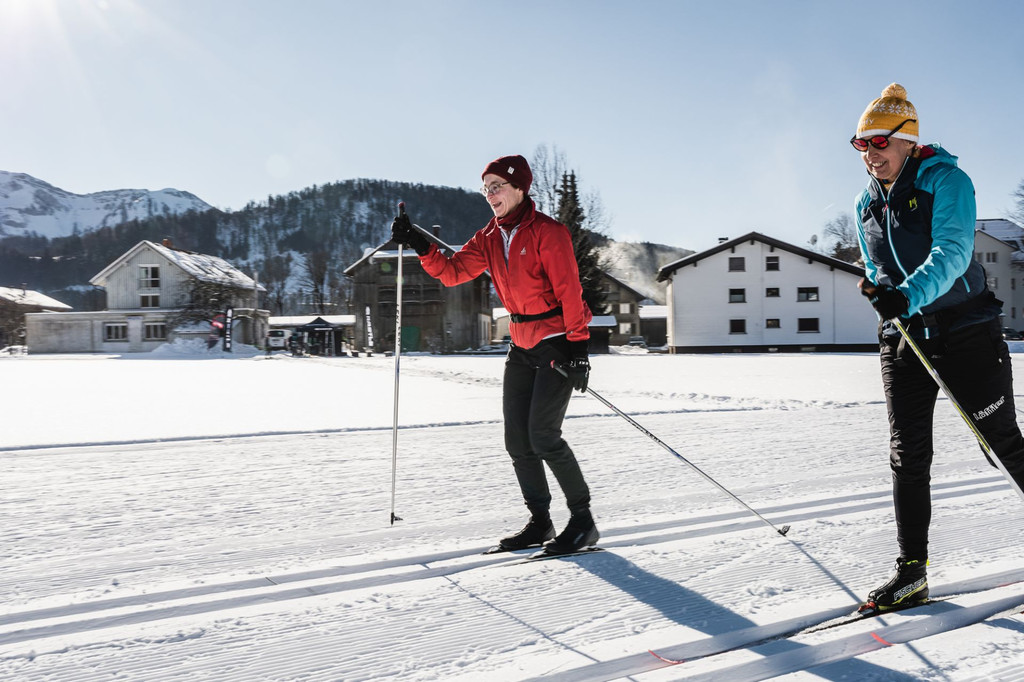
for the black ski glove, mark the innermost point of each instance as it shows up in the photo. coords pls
(886, 299)
(402, 232)
(577, 370)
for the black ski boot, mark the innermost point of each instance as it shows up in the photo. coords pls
(533, 534)
(908, 586)
(579, 533)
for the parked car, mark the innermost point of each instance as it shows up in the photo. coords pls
(277, 339)
(1012, 334)
(637, 341)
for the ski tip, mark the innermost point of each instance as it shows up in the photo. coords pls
(670, 661)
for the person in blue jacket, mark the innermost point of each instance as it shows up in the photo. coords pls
(915, 223)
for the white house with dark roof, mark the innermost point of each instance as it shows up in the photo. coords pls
(146, 287)
(759, 294)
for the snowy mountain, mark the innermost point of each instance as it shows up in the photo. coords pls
(29, 205)
(637, 264)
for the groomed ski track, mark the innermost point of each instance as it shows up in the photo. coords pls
(271, 558)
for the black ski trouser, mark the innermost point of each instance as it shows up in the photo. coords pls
(534, 399)
(974, 363)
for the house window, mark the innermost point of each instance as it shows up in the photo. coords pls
(149, 301)
(737, 326)
(993, 282)
(771, 292)
(625, 308)
(807, 294)
(772, 323)
(992, 257)
(149, 276)
(737, 295)
(807, 325)
(737, 264)
(1013, 283)
(625, 328)
(115, 331)
(771, 262)
(154, 331)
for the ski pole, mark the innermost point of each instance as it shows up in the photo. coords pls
(398, 356)
(780, 531)
(949, 394)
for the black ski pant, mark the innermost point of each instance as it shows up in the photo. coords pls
(534, 399)
(974, 363)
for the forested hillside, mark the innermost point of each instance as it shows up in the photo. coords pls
(297, 244)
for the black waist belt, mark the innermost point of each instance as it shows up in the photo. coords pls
(944, 319)
(539, 316)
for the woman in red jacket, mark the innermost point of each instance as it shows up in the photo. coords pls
(531, 261)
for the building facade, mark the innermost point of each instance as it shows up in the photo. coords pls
(759, 294)
(435, 318)
(146, 288)
(623, 303)
(999, 247)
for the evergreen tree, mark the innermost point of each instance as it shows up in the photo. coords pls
(570, 213)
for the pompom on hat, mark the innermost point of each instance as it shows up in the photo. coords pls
(888, 111)
(514, 169)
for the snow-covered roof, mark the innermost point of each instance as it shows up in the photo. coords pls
(200, 266)
(653, 312)
(1003, 230)
(29, 298)
(205, 268)
(299, 320)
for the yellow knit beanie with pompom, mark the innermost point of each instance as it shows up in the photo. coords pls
(888, 111)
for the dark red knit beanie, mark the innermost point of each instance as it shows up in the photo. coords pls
(515, 169)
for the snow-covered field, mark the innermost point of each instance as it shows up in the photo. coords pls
(183, 516)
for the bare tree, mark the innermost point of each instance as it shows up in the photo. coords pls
(203, 300)
(274, 272)
(1017, 214)
(548, 166)
(839, 239)
(315, 279)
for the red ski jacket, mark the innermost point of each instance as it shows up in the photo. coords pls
(541, 274)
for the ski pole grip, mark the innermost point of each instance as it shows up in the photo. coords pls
(401, 208)
(558, 368)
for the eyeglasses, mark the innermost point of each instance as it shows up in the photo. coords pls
(877, 141)
(488, 190)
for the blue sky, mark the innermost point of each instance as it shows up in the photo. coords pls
(691, 120)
